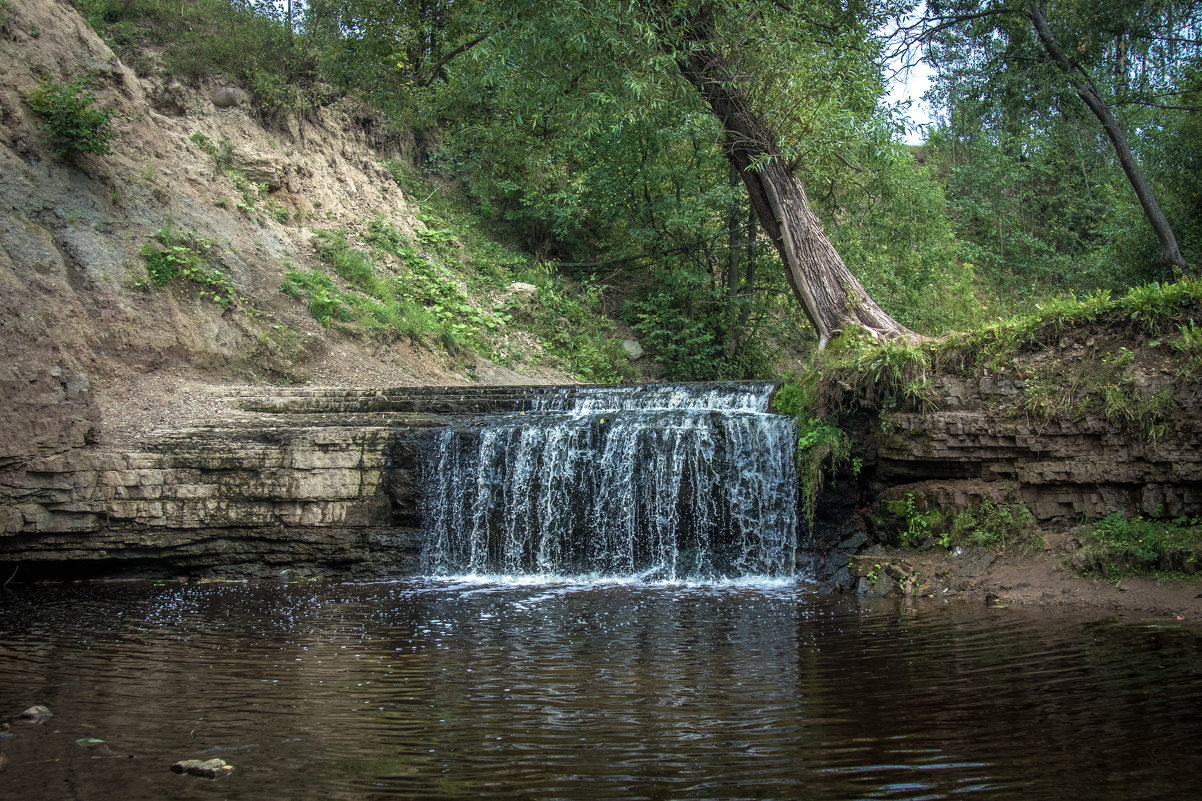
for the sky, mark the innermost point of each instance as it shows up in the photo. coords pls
(910, 84)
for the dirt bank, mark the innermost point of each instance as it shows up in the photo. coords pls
(1041, 577)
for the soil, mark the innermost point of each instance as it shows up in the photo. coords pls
(1042, 579)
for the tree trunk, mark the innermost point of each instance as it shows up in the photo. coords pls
(830, 295)
(739, 327)
(1170, 253)
(733, 301)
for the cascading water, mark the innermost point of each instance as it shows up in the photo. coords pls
(657, 482)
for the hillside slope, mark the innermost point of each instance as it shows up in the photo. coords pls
(91, 350)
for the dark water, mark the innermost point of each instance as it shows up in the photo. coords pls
(444, 690)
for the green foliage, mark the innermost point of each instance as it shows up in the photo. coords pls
(349, 262)
(687, 347)
(1036, 193)
(921, 524)
(1189, 345)
(70, 117)
(190, 258)
(1144, 308)
(887, 373)
(1108, 384)
(325, 302)
(245, 41)
(1004, 526)
(819, 444)
(888, 221)
(1118, 546)
(993, 525)
(568, 321)
(456, 267)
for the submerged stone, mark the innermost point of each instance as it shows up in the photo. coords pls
(208, 768)
(37, 713)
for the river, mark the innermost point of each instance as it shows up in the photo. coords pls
(536, 689)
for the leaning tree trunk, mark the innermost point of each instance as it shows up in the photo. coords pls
(1084, 86)
(830, 295)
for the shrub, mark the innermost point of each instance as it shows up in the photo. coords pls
(71, 119)
(1119, 546)
(687, 346)
(994, 525)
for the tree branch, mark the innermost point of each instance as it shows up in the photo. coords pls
(436, 71)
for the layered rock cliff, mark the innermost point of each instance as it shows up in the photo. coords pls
(288, 481)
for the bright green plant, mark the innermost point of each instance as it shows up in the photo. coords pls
(921, 523)
(819, 443)
(190, 258)
(1189, 346)
(325, 302)
(348, 261)
(70, 117)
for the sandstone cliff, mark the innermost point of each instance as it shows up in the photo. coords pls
(89, 352)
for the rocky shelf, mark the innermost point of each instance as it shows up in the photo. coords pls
(306, 480)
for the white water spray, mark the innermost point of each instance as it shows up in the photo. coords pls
(663, 483)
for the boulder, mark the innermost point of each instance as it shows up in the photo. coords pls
(227, 96)
(634, 351)
(522, 290)
(263, 168)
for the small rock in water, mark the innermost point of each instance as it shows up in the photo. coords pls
(209, 768)
(37, 713)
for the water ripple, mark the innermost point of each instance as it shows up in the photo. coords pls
(469, 688)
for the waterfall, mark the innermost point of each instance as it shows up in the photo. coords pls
(662, 482)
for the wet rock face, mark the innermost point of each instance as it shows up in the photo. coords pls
(290, 482)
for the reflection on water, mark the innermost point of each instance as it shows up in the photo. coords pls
(467, 689)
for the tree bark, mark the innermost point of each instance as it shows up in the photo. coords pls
(829, 294)
(733, 300)
(1170, 253)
